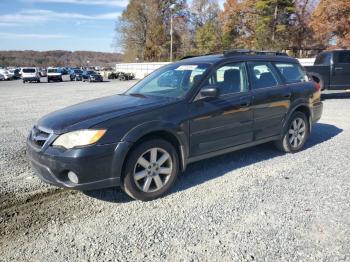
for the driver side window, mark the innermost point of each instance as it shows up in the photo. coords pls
(230, 79)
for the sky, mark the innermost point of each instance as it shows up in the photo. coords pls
(59, 24)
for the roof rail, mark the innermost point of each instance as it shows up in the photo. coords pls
(252, 52)
(240, 52)
(192, 56)
(187, 57)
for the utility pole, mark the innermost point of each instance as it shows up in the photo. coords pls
(171, 37)
(274, 22)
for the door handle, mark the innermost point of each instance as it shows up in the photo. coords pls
(339, 68)
(287, 95)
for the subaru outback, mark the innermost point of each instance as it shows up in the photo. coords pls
(190, 110)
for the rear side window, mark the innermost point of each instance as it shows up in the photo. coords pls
(292, 73)
(342, 57)
(261, 75)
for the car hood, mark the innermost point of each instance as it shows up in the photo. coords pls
(90, 113)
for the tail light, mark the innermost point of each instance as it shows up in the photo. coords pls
(315, 82)
(317, 86)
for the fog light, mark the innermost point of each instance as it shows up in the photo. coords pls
(73, 177)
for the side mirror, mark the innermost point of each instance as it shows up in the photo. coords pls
(208, 92)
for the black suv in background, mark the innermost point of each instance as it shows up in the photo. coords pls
(187, 111)
(91, 76)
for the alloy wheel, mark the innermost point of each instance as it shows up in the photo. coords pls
(297, 132)
(153, 170)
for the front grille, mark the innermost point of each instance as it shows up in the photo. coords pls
(39, 137)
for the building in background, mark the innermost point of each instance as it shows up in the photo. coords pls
(141, 70)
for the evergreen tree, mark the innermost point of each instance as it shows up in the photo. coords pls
(274, 21)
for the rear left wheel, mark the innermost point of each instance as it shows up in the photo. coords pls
(295, 134)
(151, 170)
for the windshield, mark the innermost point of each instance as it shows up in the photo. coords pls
(29, 70)
(53, 70)
(77, 71)
(173, 81)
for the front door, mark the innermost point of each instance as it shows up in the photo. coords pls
(225, 121)
(340, 75)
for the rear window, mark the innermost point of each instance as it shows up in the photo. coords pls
(29, 70)
(292, 73)
(53, 70)
(323, 59)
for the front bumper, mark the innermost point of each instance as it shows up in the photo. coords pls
(95, 78)
(31, 78)
(58, 77)
(97, 166)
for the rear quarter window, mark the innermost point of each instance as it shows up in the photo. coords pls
(323, 59)
(292, 73)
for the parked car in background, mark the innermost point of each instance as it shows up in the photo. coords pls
(121, 76)
(54, 74)
(43, 72)
(30, 74)
(6, 74)
(14, 73)
(2, 77)
(64, 71)
(331, 70)
(75, 74)
(91, 76)
(184, 112)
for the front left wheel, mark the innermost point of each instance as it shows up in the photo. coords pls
(151, 169)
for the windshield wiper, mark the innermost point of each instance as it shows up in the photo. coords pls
(137, 95)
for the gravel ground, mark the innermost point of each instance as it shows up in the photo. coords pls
(255, 204)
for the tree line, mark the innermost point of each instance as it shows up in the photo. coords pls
(58, 58)
(203, 27)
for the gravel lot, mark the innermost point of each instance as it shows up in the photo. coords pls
(255, 204)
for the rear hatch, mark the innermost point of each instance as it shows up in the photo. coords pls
(29, 72)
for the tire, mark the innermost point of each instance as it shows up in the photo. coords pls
(294, 142)
(61, 80)
(151, 183)
(24, 81)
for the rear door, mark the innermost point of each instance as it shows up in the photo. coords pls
(340, 75)
(271, 99)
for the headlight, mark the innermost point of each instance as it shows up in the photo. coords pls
(79, 138)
